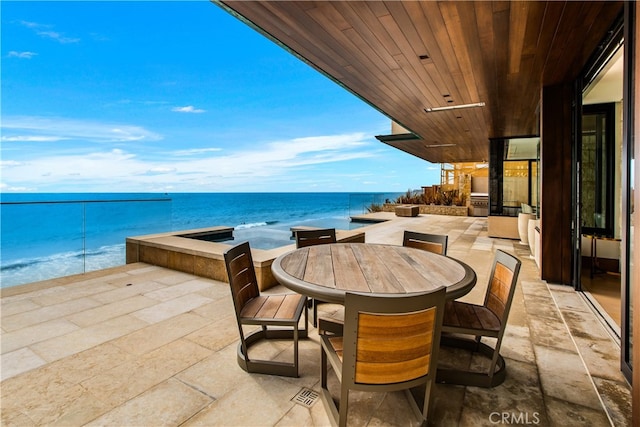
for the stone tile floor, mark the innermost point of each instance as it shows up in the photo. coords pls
(140, 345)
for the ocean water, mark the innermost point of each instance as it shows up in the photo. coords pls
(43, 236)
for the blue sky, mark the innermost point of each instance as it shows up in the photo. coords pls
(178, 97)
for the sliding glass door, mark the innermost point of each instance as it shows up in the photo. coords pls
(629, 173)
(598, 176)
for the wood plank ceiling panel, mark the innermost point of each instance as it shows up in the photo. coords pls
(386, 87)
(443, 87)
(413, 48)
(404, 56)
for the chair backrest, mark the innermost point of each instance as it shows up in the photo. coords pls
(395, 338)
(242, 275)
(436, 243)
(502, 284)
(313, 237)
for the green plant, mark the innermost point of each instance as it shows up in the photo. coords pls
(440, 197)
(411, 197)
(447, 198)
(430, 199)
(460, 200)
(374, 207)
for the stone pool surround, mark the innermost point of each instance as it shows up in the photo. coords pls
(203, 258)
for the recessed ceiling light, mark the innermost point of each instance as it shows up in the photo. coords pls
(454, 107)
(439, 145)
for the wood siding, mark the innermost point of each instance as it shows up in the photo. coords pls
(556, 184)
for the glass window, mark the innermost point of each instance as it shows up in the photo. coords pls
(597, 169)
(515, 183)
(513, 175)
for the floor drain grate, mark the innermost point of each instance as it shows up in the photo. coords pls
(306, 397)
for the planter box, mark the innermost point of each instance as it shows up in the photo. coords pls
(431, 209)
(407, 210)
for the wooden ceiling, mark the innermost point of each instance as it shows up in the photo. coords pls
(404, 56)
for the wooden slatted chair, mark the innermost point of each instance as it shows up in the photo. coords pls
(436, 243)
(487, 320)
(311, 237)
(388, 343)
(277, 311)
(318, 236)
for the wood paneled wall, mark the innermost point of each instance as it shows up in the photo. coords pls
(556, 200)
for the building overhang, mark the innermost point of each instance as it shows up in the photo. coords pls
(409, 59)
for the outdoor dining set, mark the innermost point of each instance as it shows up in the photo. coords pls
(401, 304)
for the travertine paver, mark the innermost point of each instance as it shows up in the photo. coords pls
(144, 345)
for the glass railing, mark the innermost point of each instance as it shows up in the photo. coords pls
(362, 203)
(43, 240)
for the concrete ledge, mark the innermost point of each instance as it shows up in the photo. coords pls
(213, 234)
(371, 218)
(205, 258)
(407, 210)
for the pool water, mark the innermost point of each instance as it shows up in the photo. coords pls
(269, 237)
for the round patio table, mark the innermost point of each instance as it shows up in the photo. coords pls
(327, 272)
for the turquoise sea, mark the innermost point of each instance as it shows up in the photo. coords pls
(53, 235)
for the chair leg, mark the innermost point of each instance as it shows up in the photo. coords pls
(286, 369)
(426, 405)
(327, 399)
(306, 323)
(495, 360)
(344, 406)
(310, 304)
(323, 369)
(420, 401)
(295, 348)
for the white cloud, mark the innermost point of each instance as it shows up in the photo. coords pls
(9, 163)
(188, 109)
(195, 151)
(43, 30)
(6, 188)
(33, 24)
(98, 165)
(36, 128)
(58, 37)
(21, 55)
(321, 143)
(127, 171)
(160, 171)
(30, 138)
